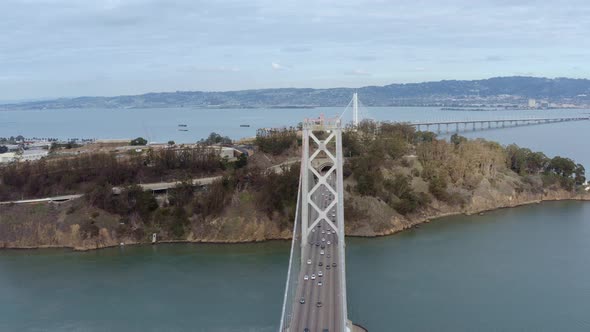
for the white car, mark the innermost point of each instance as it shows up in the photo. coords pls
(323, 232)
(306, 277)
(329, 242)
(313, 277)
(321, 252)
(309, 262)
(323, 239)
(320, 274)
(313, 230)
(320, 283)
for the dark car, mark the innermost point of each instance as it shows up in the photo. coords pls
(323, 246)
(302, 301)
(319, 304)
(306, 330)
(320, 264)
(317, 244)
(328, 267)
(325, 330)
(333, 264)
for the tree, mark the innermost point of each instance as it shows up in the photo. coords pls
(3, 149)
(242, 161)
(171, 142)
(562, 166)
(457, 139)
(138, 141)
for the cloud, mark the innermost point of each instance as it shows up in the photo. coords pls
(278, 66)
(364, 58)
(295, 49)
(494, 58)
(74, 41)
(358, 72)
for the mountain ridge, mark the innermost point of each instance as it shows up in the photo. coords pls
(515, 90)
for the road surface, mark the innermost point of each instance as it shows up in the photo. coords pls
(309, 314)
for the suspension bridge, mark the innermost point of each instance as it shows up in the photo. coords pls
(315, 292)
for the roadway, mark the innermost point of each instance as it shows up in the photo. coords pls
(309, 315)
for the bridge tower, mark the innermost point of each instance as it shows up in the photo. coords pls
(355, 110)
(321, 177)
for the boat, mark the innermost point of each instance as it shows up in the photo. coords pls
(245, 125)
(182, 129)
(182, 125)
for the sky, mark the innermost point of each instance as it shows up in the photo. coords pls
(66, 48)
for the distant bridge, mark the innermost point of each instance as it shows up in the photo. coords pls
(447, 127)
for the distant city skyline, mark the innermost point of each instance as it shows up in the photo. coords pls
(68, 48)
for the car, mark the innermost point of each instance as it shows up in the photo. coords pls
(320, 283)
(319, 226)
(320, 274)
(329, 256)
(313, 230)
(306, 277)
(306, 330)
(313, 276)
(302, 300)
(321, 252)
(328, 267)
(323, 232)
(308, 261)
(333, 264)
(323, 246)
(334, 215)
(328, 243)
(317, 244)
(319, 304)
(323, 239)
(325, 330)
(320, 264)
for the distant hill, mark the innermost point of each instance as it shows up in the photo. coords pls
(514, 90)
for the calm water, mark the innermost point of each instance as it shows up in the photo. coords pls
(523, 269)
(161, 125)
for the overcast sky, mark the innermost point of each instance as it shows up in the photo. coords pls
(52, 48)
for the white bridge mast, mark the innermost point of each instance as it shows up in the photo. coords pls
(355, 109)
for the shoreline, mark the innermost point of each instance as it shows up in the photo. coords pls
(392, 231)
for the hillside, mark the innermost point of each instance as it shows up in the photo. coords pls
(500, 90)
(393, 180)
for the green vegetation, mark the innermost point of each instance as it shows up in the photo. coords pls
(215, 138)
(138, 141)
(388, 167)
(67, 146)
(74, 174)
(276, 141)
(385, 160)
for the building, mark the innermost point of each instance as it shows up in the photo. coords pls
(532, 103)
(27, 155)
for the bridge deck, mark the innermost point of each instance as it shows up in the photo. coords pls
(309, 315)
(430, 123)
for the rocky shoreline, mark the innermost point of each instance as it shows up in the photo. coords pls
(397, 223)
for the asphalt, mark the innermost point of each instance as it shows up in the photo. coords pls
(309, 315)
